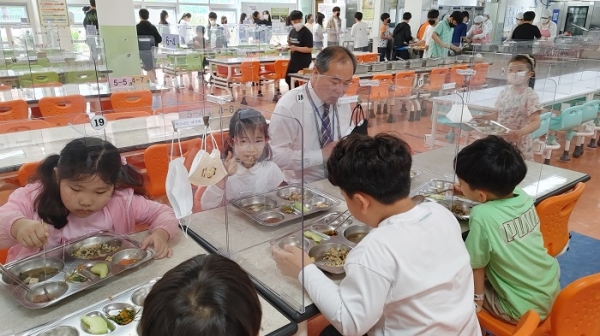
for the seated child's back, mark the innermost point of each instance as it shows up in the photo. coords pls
(411, 275)
(505, 237)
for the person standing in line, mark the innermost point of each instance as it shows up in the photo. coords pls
(432, 20)
(300, 41)
(163, 24)
(184, 27)
(460, 30)
(91, 16)
(309, 22)
(360, 33)
(243, 28)
(402, 38)
(526, 33)
(518, 22)
(216, 33)
(318, 32)
(334, 28)
(442, 36)
(145, 28)
(226, 32)
(385, 38)
(488, 24)
(266, 18)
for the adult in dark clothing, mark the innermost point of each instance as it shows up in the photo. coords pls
(524, 35)
(91, 16)
(460, 30)
(145, 28)
(216, 33)
(402, 37)
(300, 40)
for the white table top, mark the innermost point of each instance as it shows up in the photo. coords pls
(126, 134)
(250, 243)
(15, 318)
(551, 90)
(10, 74)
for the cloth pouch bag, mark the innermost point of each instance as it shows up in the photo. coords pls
(207, 168)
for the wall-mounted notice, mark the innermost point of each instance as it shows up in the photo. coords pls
(368, 10)
(53, 12)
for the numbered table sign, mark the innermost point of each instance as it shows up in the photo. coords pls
(140, 80)
(120, 82)
(90, 30)
(98, 122)
(171, 41)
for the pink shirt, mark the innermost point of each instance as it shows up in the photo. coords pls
(121, 214)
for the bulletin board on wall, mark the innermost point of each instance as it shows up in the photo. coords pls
(279, 12)
(511, 16)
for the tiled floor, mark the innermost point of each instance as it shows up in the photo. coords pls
(581, 220)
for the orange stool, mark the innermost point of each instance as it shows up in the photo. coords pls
(128, 101)
(380, 93)
(249, 73)
(13, 110)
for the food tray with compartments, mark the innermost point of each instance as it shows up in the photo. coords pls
(73, 267)
(130, 302)
(319, 239)
(442, 192)
(488, 127)
(284, 204)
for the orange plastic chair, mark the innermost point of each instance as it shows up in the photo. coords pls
(249, 73)
(3, 256)
(23, 125)
(13, 110)
(26, 171)
(360, 58)
(353, 88)
(128, 101)
(404, 83)
(455, 77)
(60, 111)
(317, 324)
(528, 324)
(381, 92)
(222, 71)
(84, 118)
(575, 312)
(4, 87)
(481, 70)
(437, 79)
(276, 74)
(554, 214)
(156, 159)
(371, 58)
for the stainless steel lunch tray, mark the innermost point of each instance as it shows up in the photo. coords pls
(71, 324)
(488, 127)
(431, 62)
(447, 60)
(442, 192)
(416, 63)
(272, 202)
(362, 69)
(58, 285)
(378, 67)
(463, 204)
(349, 228)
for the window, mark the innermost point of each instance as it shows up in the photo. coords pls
(199, 14)
(155, 14)
(13, 14)
(78, 14)
(222, 2)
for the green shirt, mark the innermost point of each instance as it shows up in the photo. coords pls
(505, 238)
(444, 31)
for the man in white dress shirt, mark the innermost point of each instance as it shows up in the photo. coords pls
(308, 120)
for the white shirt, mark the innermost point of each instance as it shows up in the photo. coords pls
(184, 29)
(262, 177)
(293, 123)
(410, 276)
(226, 32)
(488, 27)
(427, 36)
(360, 34)
(318, 33)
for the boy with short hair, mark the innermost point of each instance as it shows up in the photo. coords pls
(512, 270)
(410, 275)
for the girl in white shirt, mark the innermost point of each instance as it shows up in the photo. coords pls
(318, 31)
(248, 161)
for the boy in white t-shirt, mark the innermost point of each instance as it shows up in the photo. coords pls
(360, 33)
(411, 274)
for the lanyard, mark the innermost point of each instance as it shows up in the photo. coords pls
(316, 111)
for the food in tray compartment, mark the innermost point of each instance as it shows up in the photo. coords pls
(311, 235)
(125, 316)
(298, 207)
(127, 262)
(330, 232)
(293, 196)
(38, 274)
(95, 250)
(96, 324)
(272, 220)
(459, 210)
(321, 205)
(42, 298)
(76, 277)
(100, 269)
(334, 257)
(257, 207)
(356, 237)
(287, 209)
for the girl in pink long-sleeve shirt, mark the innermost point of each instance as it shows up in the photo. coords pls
(87, 188)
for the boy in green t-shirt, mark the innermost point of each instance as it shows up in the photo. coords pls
(512, 270)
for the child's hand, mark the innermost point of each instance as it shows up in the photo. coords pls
(230, 164)
(31, 233)
(289, 261)
(514, 137)
(159, 241)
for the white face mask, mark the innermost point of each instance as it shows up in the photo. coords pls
(213, 22)
(179, 190)
(545, 21)
(298, 26)
(518, 78)
(265, 17)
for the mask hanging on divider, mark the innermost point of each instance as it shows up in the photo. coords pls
(459, 114)
(178, 189)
